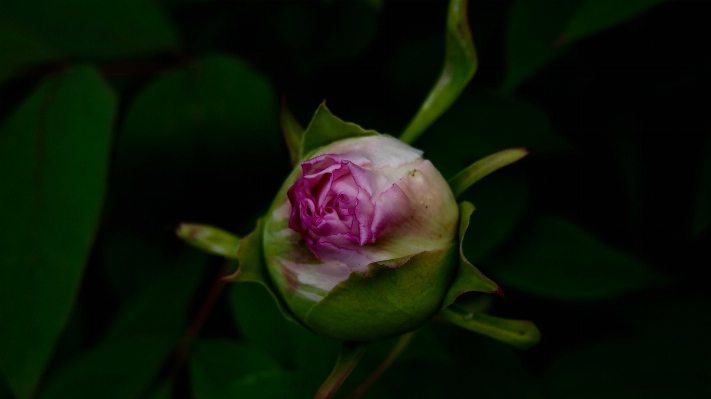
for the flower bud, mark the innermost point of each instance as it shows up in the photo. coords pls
(361, 239)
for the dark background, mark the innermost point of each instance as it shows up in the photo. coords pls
(601, 236)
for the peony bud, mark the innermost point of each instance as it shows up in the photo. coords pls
(361, 239)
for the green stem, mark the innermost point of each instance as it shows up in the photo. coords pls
(400, 346)
(350, 355)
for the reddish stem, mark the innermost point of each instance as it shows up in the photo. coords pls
(200, 318)
(400, 345)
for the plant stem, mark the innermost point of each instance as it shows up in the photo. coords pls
(400, 345)
(350, 355)
(197, 323)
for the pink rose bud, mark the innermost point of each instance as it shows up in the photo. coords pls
(360, 241)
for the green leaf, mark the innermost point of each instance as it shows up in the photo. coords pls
(325, 128)
(270, 385)
(522, 334)
(116, 369)
(21, 51)
(383, 303)
(293, 132)
(216, 363)
(665, 356)
(468, 277)
(217, 112)
(138, 342)
(702, 209)
(540, 30)
(165, 391)
(593, 16)
(53, 159)
(253, 269)
(47, 30)
(210, 239)
(261, 322)
(145, 332)
(135, 261)
(481, 168)
(322, 33)
(560, 260)
(482, 123)
(501, 204)
(161, 307)
(460, 64)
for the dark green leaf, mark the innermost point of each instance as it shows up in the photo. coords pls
(539, 30)
(161, 308)
(138, 342)
(210, 239)
(480, 124)
(483, 167)
(320, 33)
(560, 260)
(215, 364)
(326, 128)
(293, 132)
(522, 334)
(666, 356)
(20, 51)
(702, 210)
(53, 158)
(165, 391)
(116, 369)
(135, 261)
(501, 204)
(468, 277)
(218, 111)
(271, 385)
(45, 30)
(593, 16)
(460, 64)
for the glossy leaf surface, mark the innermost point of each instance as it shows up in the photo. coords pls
(460, 64)
(53, 162)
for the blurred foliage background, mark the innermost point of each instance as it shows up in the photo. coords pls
(119, 119)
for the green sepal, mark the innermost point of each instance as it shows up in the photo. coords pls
(386, 302)
(293, 132)
(325, 128)
(522, 334)
(210, 239)
(483, 167)
(252, 267)
(460, 64)
(468, 278)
